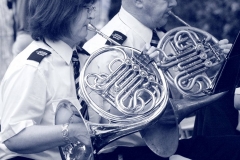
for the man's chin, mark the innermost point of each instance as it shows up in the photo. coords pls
(162, 24)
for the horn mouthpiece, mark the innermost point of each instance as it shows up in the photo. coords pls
(91, 27)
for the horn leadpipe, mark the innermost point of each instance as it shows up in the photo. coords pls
(178, 18)
(93, 28)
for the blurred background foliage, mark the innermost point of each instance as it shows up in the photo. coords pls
(221, 18)
(6, 37)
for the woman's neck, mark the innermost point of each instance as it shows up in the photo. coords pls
(69, 41)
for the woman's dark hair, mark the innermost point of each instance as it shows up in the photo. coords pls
(52, 18)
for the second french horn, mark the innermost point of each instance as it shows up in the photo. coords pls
(193, 62)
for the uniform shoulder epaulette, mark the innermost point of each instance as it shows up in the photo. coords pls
(38, 55)
(118, 37)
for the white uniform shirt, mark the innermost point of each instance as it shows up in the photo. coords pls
(237, 90)
(30, 92)
(137, 36)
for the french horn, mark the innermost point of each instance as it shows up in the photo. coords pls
(134, 89)
(130, 92)
(194, 60)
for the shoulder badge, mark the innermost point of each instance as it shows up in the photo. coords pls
(38, 55)
(118, 37)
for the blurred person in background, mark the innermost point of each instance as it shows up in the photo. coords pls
(6, 36)
(23, 37)
(108, 9)
(115, 6)
(21, 16)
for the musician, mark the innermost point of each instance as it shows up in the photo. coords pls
(133, 26)
(39, 78)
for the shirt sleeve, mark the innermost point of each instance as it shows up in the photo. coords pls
(24, 100)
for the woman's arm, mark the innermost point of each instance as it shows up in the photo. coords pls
(35, 139)
(38, 138)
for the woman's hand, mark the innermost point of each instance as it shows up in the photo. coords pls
(68, 113)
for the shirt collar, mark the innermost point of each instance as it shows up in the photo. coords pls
(144, 32)
(63, 49)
